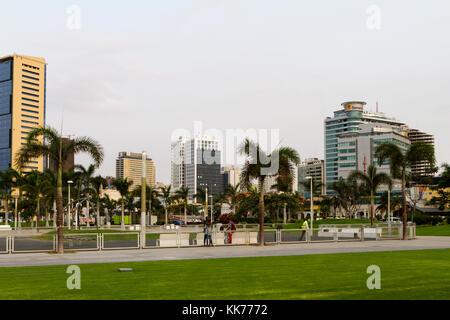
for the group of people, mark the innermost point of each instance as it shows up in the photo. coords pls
(208, 230)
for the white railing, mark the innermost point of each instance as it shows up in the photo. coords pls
(118, 241)
(35, 243)
(183, 238)
(4, 244)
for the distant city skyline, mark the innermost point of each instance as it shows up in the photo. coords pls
(130, 76)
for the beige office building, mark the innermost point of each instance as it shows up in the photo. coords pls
(129, 165)
(22, 106)
(421, 168)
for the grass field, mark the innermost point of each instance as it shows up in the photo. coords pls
(404, 275)
(443, 230)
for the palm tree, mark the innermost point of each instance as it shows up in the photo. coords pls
(258, 165)
(151, 194)
(8, 180)
(167, 198)
(97, 184)
(394, 200)
(51, 146)
(371, 182)
(400, 161)
(233, 194)
(86, 175)
(183, 194)
(36, 187)
(109, 204)
(123, 186)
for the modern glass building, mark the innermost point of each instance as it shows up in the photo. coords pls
(348, 120)
(22, 106)
(196, 164)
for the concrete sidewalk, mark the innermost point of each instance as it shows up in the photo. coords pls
(43, 259)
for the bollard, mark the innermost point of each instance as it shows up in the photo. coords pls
(362, 233)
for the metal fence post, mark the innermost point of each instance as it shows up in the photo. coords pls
(335, 235)
(362, 233)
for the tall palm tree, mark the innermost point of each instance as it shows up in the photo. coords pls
(371, 180)
(97, 184)
(86, 175)
(400, 161)
(258, 165)
(36, 187)
(183, 195)
(123, 186)
(167, 198)
(233, 194)
(51, 145)
(8, 180)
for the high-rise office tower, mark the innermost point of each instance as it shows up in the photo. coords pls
(421, 168)
(346, 121)
(311, 168)
(230, 176)
(178, 168)
(129, 166)
(196, 165)
(22, 106)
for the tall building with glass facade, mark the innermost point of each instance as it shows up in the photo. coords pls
(196, 164)
(341, 139)
(22, 106)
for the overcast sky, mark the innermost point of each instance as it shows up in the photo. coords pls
(135, 71)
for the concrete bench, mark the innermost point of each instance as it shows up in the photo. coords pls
(253, 237)
(184, 239)
(167, 240)
(239, 238)
(5, 228)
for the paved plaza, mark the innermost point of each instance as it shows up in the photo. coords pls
(40, 259)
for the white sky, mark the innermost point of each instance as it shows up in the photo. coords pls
(138, 70)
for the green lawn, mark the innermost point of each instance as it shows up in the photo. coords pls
(443, 230)
(421, 274)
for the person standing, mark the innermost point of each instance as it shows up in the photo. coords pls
(305, 227)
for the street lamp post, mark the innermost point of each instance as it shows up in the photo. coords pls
(143, 195)
(212, 209)
(312, 205)
(15, 211)
(69, 206)
(206, 206)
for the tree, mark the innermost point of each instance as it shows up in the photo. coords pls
(97, 184)
(8, 180)
(442, 200)
(36, 187)
(167, 198)
(400, 161)
(123, 186)
(51, 145)
(371, 181)
(234, 196)
(86, 176)
(151, 194)
(383, 206)
(259, 165)
(183, 195)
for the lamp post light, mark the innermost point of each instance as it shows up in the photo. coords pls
(212, 208)
(206, 206)
(143, 195)
(312, 204)
(15, 211)
(69, 206)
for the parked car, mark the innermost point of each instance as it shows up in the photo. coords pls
(177, 222)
